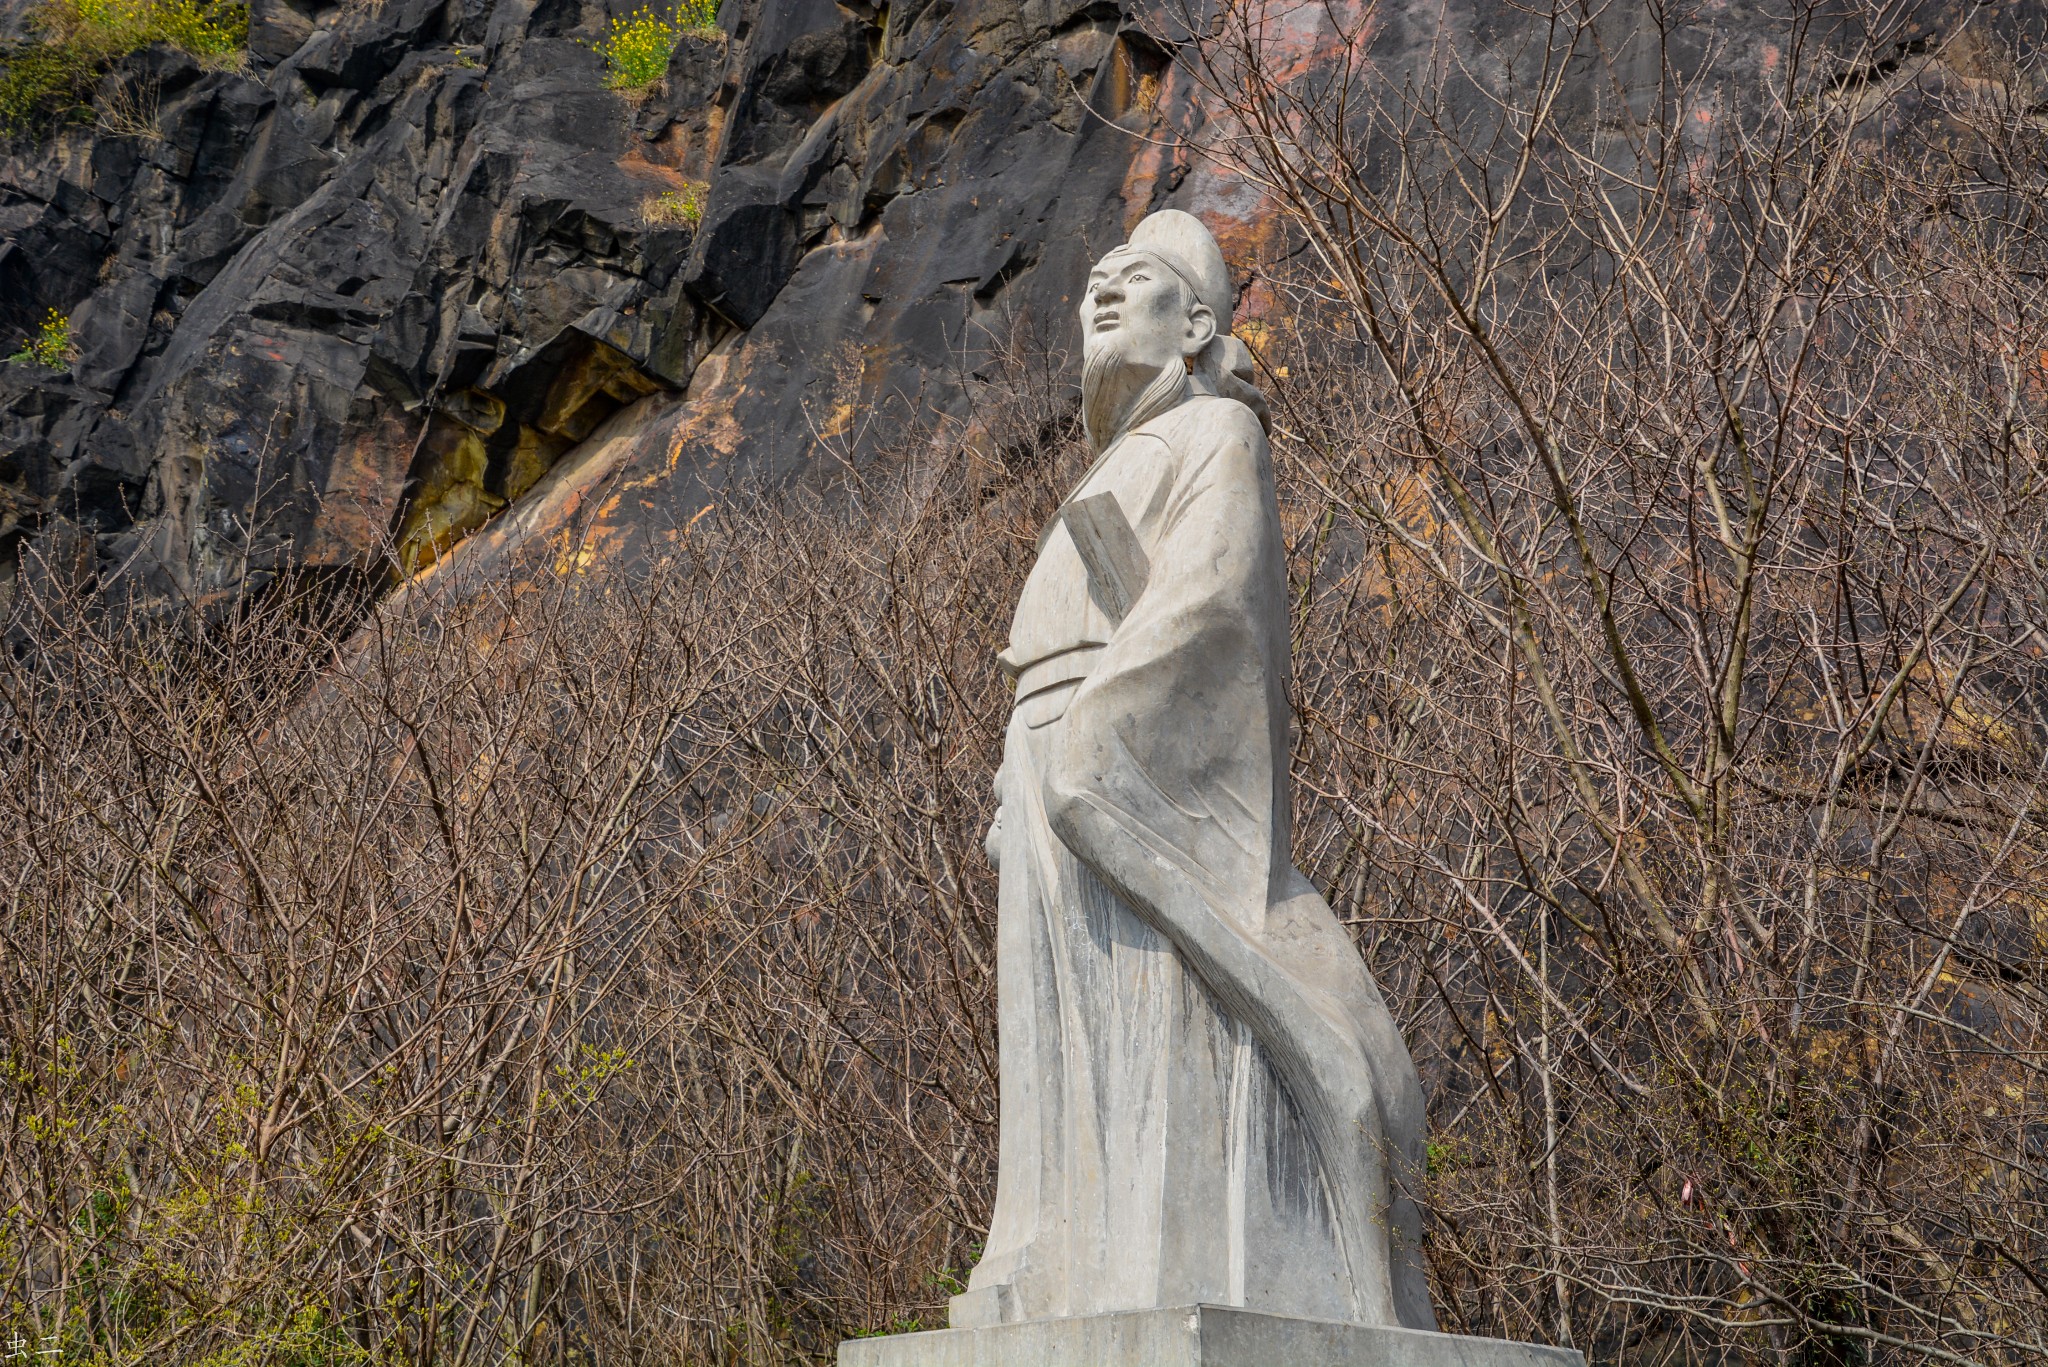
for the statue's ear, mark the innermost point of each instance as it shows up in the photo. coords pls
(1201, 329)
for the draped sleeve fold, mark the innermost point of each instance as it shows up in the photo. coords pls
(1182, 722)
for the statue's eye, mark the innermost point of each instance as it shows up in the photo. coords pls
(1139, 276)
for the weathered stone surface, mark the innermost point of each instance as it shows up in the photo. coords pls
(294, 292)
(1194, 1336)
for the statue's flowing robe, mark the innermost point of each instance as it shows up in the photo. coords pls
(1203, 1097)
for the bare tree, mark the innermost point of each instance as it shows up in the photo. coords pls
(1671, 586)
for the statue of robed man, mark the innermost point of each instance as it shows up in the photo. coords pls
(1203, 1097)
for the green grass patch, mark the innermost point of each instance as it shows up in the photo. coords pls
(51, 346)
(902, 1324)
(682, 208)
(636, 48)
(76, 40)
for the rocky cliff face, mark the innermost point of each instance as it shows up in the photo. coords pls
(378, 282)
(396, 274)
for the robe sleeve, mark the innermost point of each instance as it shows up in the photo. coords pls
(1181, 724)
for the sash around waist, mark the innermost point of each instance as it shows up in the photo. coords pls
(1069, 666)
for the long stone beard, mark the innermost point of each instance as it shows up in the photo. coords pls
(1104, 418)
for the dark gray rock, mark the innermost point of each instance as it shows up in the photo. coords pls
(378, 285)
(290, 288)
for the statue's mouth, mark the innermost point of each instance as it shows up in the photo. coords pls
(1104, 321)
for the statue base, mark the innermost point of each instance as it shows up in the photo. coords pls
(1194, 1336)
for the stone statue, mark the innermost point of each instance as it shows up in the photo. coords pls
(1203, 1098)
(1210, 1128)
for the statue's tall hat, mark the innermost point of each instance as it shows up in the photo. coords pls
(1183, 243)
(1225, 366)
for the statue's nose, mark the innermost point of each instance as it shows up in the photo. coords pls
(1109, 294)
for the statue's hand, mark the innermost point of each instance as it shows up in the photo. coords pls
(992, 843)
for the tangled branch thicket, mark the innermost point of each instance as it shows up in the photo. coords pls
(1680, 748)
(597, 966)
(550, 967)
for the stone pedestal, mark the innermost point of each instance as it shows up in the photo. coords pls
(1194, 1336)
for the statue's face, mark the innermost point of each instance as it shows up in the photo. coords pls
(1139, 306)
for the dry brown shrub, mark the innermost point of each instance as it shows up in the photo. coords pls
(539, 968)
